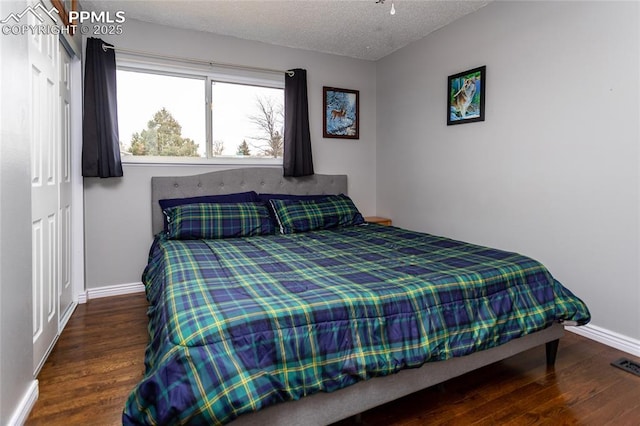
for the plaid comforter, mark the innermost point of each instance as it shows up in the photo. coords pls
(240, 324)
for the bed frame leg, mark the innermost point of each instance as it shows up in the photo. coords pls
(552, 351)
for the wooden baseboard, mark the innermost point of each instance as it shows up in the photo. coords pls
(26, 405)
(608, 337)
(111, 290)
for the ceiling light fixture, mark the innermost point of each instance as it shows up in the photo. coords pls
(393, 8)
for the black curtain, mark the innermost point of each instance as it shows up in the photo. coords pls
(297, 139)
(100, 140)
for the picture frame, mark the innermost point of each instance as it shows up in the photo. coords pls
(341, 113)
(466, 96)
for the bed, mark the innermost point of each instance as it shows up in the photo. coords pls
(314, 326)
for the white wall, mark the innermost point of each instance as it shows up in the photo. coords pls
(16, 345)
(117, 211)
(553, 172)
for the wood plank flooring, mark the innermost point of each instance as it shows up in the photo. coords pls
(99, 359)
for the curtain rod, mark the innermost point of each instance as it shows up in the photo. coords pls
(195, 61)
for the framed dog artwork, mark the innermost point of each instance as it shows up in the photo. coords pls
(465, 93)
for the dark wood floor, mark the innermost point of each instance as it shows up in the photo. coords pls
(95, 364)
(99, 358)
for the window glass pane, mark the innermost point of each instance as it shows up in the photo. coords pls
(161, 115)
(247, 120)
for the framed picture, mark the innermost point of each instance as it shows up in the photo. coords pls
(465, 94)
(341, 113)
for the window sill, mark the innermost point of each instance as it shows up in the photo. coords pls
(189, 161)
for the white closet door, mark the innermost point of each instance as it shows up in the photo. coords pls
(65, 291)
(45, 148)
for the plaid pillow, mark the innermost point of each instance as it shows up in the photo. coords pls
(214, 220)
(308, 215)
(238, 197)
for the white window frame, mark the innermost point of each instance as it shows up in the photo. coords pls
(208, 74)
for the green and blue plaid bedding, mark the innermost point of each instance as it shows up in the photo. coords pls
(217, 220)
(333, 211)
(240, 324)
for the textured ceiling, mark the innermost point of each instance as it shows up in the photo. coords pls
(360, 29)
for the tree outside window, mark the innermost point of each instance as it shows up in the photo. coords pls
(165, 115)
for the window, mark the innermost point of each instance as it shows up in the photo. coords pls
(183, 117)
(247, 120)
(161, 115)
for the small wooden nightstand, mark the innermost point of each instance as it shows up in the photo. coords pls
(379, 220)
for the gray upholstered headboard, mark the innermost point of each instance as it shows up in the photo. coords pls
(259, 179)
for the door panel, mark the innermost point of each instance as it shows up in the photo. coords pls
(38, 266)
(45, 140)
(65, 289)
